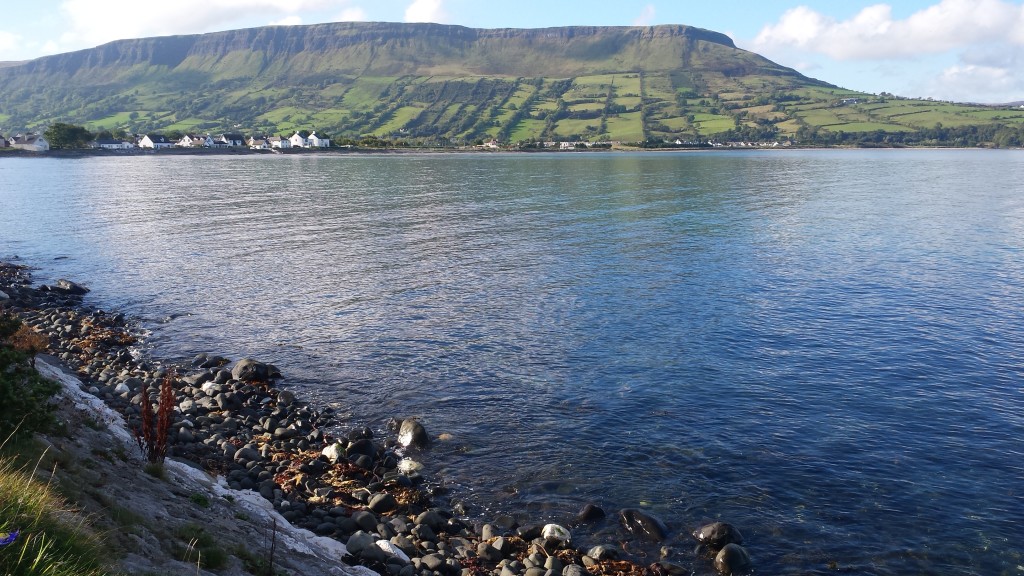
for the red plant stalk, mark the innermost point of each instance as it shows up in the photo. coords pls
(165, 411)
(144, 435)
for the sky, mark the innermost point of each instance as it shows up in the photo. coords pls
(960, 50)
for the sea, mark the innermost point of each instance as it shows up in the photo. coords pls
(824, 348)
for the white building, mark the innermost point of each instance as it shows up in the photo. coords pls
(315, 141)
(298, 141)
(155, 141)
(30, 142)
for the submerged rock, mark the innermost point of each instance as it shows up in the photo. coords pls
(69, 287)
(643, 524)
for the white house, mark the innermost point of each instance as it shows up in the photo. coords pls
(111, 144)
(315, 141)
(298, 141)
(258, 144)
(279, 142)
(230, 139)
(155, 141)
(30, 142)
(193, 141)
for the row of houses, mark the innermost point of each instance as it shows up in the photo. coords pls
(159, 141)
(37, 143)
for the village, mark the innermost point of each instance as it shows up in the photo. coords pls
(37, 142)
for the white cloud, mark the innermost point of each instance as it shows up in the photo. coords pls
(962, 82)
(873, 33)
(91, 22)
(354, 14)
(425, 11)
(646, 17)
(8, 41)
(289, 21)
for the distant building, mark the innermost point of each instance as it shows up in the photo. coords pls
(298, 141)
(279, 142)
(112, 144)
(315, 141)
(30, 142)
(155, 142)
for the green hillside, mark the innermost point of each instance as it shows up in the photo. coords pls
(436, 84)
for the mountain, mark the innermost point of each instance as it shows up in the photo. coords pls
(437, 83)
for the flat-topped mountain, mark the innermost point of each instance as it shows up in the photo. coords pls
(429, 83)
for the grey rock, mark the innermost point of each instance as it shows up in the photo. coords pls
(574, 570)
(69, 287)
(716, 535)
(489, 553)
(248, 370)
(412, 433)
(382, 503)
(643, 524)
(286, 398)
(603, 552)
(590, 513)
(358, 542)
(433, 561)
(732, 559)
(433, 519)
(365, 520)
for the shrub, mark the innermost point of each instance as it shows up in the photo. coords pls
(152, 435)
(24, 394)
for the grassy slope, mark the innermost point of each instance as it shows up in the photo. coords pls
(433, 82)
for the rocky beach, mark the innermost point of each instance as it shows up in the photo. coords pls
(335, 496)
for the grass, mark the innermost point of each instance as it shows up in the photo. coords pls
(200, 547)
(44, 537)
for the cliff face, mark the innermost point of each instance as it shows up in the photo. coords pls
(358, 48)
(387, 79)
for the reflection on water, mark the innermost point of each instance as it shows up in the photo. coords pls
(822, 347)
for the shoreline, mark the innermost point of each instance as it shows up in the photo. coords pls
(232, 421)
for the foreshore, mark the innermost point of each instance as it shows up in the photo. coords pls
(234, 421)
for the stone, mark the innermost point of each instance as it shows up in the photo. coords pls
(286, 398)
(643, 524)
(431, 518)
(489, 553)
(433, 561)
(366, 520)
(590, 513)
(412, 433)
(604, 552)
(717, 535)
(358, 542)
(69, 287)
(574, 570)
(382, 503)
(333, 452)
(248, 370)
(393, 550)
(556, 534)
(732, 559)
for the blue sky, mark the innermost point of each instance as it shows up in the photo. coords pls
(963, 50)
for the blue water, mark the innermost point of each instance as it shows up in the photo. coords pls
(825, 348)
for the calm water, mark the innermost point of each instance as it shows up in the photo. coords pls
(825, 348)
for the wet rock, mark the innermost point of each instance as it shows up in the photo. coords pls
(358, 542)
(643, 524)
(333, 452)
(603, 552)
(574, 570)
(249, 370)
(365, 520)
(285, 398)
(69, 287)
(412, 433)
(717, 535)
(590, 513)
(553, 533)
(732, 559)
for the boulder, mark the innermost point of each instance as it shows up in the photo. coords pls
(250, 370)
(732, 559)
(69, 287)
(333, 452)
(590, 513)
(643, 524)
(556, 534)
(412, 433)
(717, 535)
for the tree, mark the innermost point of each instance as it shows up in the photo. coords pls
(61, 135)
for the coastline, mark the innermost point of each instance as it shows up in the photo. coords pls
(262, 443)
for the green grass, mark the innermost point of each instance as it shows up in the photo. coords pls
(867, 127)
(527, 130)
(625, 127)
(52, 540)
(708, 124)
